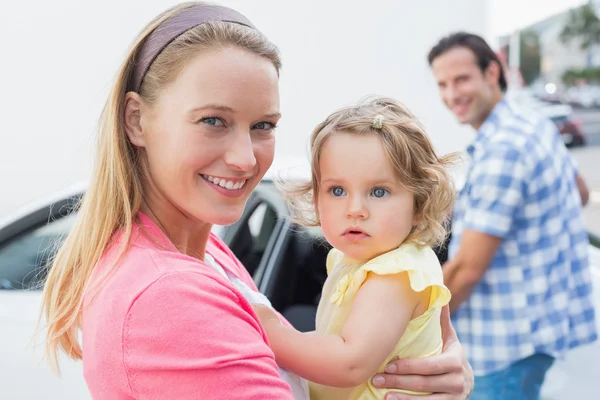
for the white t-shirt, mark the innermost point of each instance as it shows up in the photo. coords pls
(299, 385)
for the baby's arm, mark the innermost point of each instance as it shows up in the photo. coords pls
(381, 311)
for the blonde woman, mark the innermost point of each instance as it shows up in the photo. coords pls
(186, 135)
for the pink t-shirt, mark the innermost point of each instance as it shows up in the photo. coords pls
(168, 326)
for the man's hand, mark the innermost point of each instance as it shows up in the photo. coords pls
(448, 376)
(466, 269)
(584, 191)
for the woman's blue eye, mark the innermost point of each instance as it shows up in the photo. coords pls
(264, 126)
(213, 121)
(379, 192)
(337, 191)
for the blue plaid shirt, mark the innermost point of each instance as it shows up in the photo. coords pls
(536, 295)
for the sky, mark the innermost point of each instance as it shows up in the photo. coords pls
(508, 15)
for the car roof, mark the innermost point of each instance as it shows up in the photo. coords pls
(43, 202)
(558, 110)
(288, 168)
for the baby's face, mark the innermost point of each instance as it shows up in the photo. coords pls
(363, 208)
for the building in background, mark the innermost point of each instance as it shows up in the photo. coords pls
(556, 56)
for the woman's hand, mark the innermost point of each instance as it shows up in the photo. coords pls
(448, 376)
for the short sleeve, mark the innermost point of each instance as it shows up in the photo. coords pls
(421, 266)
(334, 257)
(497, 190)
(188, 336)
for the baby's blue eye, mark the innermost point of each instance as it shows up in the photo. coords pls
(337, 191)
(379, 192)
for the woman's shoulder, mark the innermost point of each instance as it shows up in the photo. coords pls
(161, 308)
(143, 268)
(187, 300)
(153, 288)
(146, 268)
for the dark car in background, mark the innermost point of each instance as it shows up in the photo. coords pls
(561, 114)
(570, 129)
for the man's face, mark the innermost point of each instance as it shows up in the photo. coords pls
(466, 90)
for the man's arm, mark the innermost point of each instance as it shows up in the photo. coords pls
(464, 271)
(497, 192)
(584, 191)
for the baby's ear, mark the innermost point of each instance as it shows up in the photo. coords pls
(416, 219)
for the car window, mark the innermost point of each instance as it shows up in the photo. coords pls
(559, 120)
(23, 258)
(594, 240)
(261, 224)
(253, 235)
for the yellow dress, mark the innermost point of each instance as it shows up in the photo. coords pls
(423, 335)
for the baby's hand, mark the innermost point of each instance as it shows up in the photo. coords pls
(264, 313)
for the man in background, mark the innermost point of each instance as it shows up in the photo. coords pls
(518, 265)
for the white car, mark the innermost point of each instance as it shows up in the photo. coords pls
(286, 261)
(560, 114)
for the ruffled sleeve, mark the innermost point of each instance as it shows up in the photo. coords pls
(421, 265)
(334, 257)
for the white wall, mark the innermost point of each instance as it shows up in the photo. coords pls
(60, 56)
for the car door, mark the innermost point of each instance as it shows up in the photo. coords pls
(29, 242)
(26, 246)
(257, 237)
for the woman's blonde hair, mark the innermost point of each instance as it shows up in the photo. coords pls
(115, 191)
(409, 150)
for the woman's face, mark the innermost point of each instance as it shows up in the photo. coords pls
(209, 138)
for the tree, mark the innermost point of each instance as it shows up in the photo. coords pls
(583, 24)
(573, 75)
(529, 54)
(531, 59)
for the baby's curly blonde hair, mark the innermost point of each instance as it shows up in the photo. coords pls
(409, 150)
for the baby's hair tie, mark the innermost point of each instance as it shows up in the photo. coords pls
(377, 122)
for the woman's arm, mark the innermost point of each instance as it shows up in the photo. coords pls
(367, 338)
(448, 375)
(188, 336)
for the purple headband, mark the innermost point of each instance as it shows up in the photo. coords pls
(170, 29)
